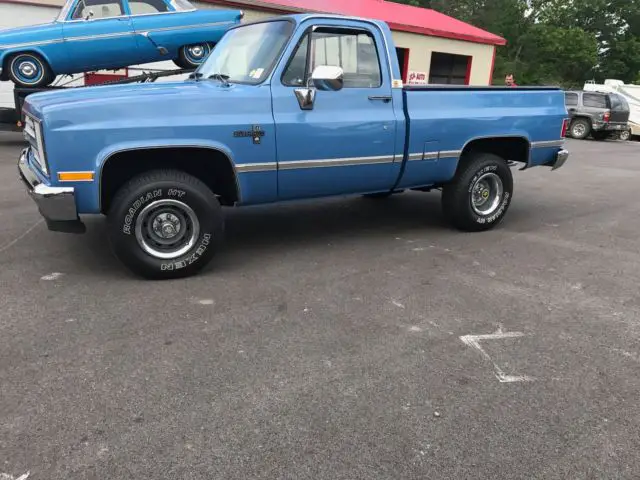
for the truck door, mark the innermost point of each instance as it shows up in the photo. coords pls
(346, 142)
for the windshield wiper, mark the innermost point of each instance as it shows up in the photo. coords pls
(222, 78)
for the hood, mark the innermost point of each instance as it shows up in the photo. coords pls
(32, 33)
(137, 105)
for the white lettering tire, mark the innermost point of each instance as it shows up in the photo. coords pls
(165, 224)
(480, 194)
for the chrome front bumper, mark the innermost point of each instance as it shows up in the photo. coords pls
(561, 158)
(56, 204)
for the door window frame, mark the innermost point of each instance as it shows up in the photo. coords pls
(308, 34)
(124, 6)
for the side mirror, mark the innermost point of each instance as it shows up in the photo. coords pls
(324, 78)
(328, 78)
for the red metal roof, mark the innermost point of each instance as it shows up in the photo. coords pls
(400, 17)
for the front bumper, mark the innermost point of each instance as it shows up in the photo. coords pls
(56, 204)
(561, 158)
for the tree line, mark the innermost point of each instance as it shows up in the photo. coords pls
(556, 42)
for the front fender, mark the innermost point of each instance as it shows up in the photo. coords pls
(6, 54)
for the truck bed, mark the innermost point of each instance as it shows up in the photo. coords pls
(443, 120)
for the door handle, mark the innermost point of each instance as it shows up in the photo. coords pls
(383, 98)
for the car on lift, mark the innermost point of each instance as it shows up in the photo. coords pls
(90, 35)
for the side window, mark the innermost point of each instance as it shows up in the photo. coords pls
(352, 50)
(594, 100)
(296, 72)
(141, 7)
(571, 99)
(97, 9)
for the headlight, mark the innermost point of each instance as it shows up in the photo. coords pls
(33, 135)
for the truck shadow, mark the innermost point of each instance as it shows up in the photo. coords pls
(253, 232)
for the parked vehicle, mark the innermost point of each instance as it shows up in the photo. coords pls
(91, 35)
(601, 115)
(314, 108)
(630, 93)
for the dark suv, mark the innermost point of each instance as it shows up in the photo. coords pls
(600, 115)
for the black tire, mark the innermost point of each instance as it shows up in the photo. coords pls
(600, 136)
(188, 61)
(140, 205)
(38, 73)
(580, 128)
(476, 170)
(625, 135)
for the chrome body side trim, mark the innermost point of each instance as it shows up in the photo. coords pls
(335, 162)
(449, 154)
(548, 144)
(112, 35)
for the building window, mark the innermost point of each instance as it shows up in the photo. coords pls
(449, 69)
(403, 61)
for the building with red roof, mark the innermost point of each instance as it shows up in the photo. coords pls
(432, 47)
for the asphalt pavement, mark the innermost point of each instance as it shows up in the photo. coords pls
(335, 339)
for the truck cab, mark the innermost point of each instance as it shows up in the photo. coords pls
(291, 108)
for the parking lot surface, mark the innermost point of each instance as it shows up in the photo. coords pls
(338, 339)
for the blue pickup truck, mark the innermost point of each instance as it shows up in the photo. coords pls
(290, 108)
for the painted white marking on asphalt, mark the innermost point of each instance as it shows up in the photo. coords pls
(16, 240)
(415, 328)
(52, 276)
(397, 304)
(474, 341)
(206, 301)
(6, 476)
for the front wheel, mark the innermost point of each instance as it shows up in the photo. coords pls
(192, 56)
(480, 194)
(165, 224)
(29, 70)
(625, 135)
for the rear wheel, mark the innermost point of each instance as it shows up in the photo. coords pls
(625, 135)
(480, 194)
(29, 70)
(580, 128)
(165, 224)
(192, 56)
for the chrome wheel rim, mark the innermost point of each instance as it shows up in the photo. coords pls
(624, 136)
(578, 130)
(196, 54)
(167, 229)
(486, 194)
(27, 69)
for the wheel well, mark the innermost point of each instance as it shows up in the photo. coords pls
(208, 165)
(580, 117)
(508, 148)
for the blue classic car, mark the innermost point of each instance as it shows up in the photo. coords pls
(91, 35)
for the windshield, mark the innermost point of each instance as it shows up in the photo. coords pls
(247, 54)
